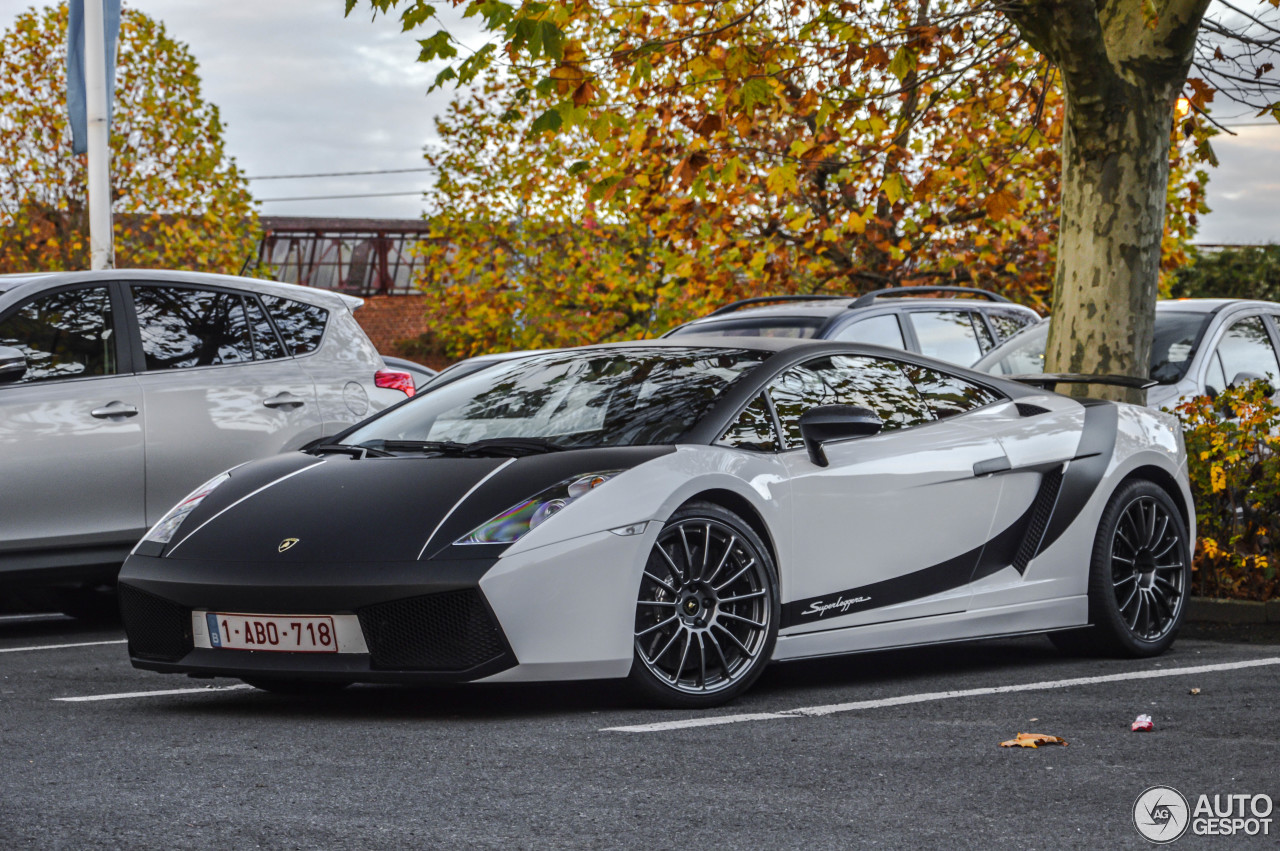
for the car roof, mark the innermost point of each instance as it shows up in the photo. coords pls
(12, 281)
(293, 291)
(1208, 305)
(827, 308)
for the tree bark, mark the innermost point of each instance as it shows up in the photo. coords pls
(1122, 72)
(1115, 170)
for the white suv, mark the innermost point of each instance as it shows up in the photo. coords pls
(121, 391)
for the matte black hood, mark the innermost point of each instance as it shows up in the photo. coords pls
(342, 509)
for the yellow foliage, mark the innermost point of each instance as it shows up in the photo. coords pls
(178, 200)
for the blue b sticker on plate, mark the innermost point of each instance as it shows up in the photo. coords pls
(214, 638)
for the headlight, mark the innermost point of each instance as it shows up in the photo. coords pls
(163, 532)
(514, 523)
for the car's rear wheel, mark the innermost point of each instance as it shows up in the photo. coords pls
(1139, 577)
(707, 613)
(296, 687)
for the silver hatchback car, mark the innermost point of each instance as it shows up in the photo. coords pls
(121, 391)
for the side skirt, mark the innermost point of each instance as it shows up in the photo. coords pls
(1019, 619)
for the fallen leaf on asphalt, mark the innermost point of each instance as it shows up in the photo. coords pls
(1035, 719)
(1033, 740)
(1195, 691)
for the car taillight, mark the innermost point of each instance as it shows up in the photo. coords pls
(394, 379)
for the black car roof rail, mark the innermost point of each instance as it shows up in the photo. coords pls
(770, 299)
(868, 298)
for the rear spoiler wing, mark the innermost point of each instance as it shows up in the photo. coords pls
(1050, 380)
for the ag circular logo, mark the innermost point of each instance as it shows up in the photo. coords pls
(1161, 814)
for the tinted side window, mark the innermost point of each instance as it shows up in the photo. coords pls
(753, 429)
(64, 335)
(265, 342)
(880, 330)
(1246, 347)
(182, 328)
(1008, 324)
(948, 335)
(301, 325)
(948, 395)
(843, 380)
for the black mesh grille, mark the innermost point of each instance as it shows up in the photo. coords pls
(1026, 409)
(1041, 511)
(157, 629)
(449, 631)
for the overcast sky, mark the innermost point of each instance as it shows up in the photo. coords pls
(303, 90)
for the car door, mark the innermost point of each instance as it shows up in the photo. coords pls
(955, 335)
(71, 427)
(892, 528)
(218, 384)
(1244, 351)
(1038, 442)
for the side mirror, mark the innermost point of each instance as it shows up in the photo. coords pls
(1243, 378)
(13, 364)
(826, 423)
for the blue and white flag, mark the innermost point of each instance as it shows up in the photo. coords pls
(76, 104)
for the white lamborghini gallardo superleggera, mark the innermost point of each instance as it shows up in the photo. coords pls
(679, 514)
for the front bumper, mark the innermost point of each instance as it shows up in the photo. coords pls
(421, 622)
(564, 611)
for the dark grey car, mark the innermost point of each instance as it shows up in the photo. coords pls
(958, 330)
(121, 391)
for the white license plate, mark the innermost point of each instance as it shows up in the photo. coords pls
(282, 633)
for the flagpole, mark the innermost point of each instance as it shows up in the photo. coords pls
(101, 240)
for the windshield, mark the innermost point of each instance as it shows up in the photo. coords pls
(587, 398)
(793, 327)
(1172, 347)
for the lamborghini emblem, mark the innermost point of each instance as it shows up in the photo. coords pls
(287, 543)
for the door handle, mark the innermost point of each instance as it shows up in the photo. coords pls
(285, 400)
(991, 465)
(114, 410)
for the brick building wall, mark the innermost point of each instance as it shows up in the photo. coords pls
(393, 319)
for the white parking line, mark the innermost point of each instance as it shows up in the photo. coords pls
(831, 709)
(32, 618)
(132, 694)
(61, 646)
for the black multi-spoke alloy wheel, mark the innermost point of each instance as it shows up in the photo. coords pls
(1139, 578)
(707, 612)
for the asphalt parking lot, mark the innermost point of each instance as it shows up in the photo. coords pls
(887, 750)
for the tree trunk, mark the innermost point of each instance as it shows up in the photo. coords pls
(1123, 63)
(1115, 163)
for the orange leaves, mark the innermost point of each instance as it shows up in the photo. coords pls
(583, 94)
(1000, 204)
(688, 168)
(1033, 740)
(709, 125)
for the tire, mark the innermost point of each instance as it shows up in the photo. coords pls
(707, 610)
(1139, 577)
(296, 687)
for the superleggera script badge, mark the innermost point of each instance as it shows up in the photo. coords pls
(820, 608)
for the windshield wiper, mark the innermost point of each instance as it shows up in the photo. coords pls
(450, 447)
(507, 447)
(513, 447)
(346, 449)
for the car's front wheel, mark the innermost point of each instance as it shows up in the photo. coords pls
(1139, 577)
(707, 613)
